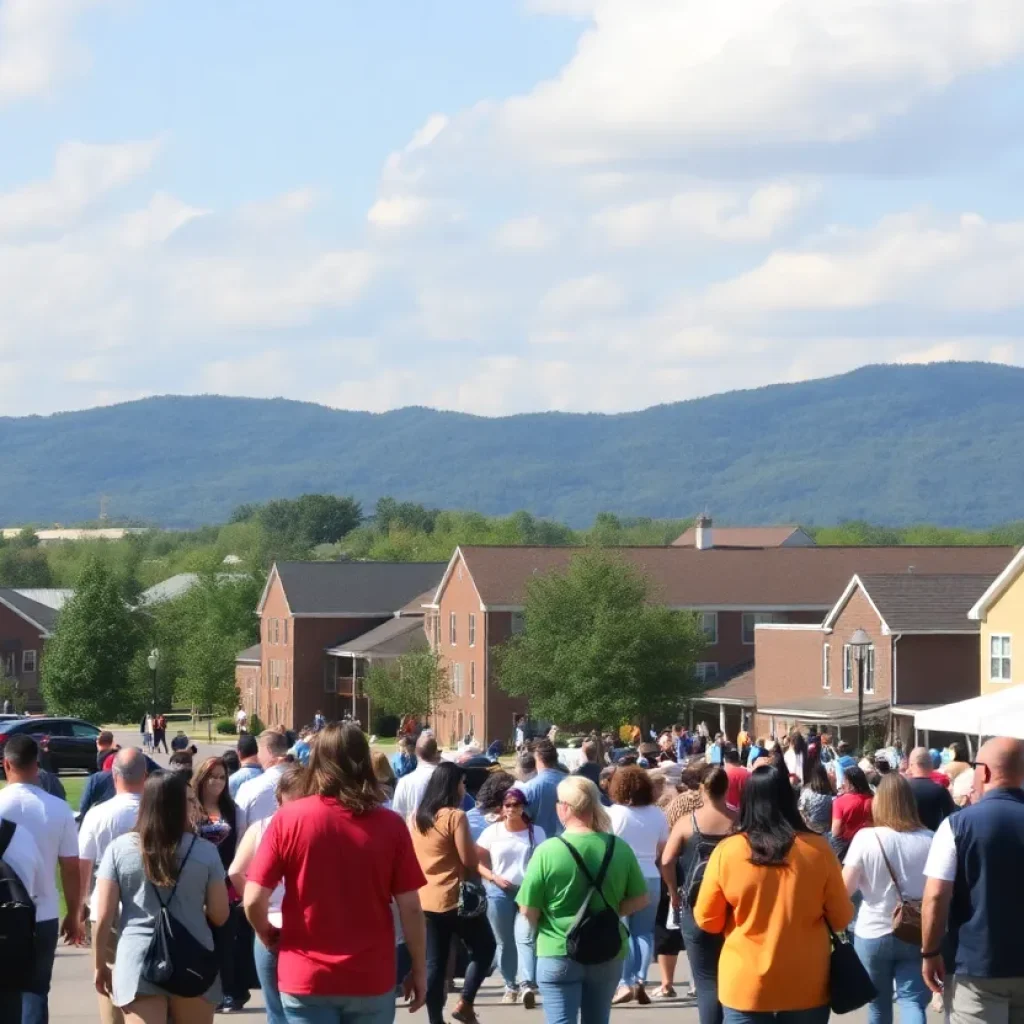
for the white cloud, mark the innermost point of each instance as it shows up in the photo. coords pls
(401, 211)
(525, 233)
(82, 174)
(582, 295)
(36, 45)
(563, 8)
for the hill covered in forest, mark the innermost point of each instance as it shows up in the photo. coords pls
(889, 444)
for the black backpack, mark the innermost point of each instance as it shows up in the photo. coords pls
(17, 922)
(692, 876)
(176, 961)
(595, 936)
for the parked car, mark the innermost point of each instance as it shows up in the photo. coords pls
(66, 744)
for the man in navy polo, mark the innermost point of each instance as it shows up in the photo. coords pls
(975, 885)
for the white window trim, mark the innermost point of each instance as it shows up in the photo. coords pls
(710, 639)
(701, 671)
(472, 630)
(453, 632)
(520, 618)
(826, 679)
(25, 660)
(869, 670)
(457, 679)
(847, 669)
(1008, 658)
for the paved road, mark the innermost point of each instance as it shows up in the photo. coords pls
(127, 738)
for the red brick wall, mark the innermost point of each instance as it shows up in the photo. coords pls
(731, 652)
(501, 708)
(937, 669)
(16, 637)
(247, 682)
(858, 614)
(274, 705)
(788, 665)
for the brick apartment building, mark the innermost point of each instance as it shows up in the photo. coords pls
(25, 626)
(479, 603)
(308, 608)
(924, 652)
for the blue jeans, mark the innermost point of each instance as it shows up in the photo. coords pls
(889, 960)
(819, 1015)
(573, 992)
(266, 971)
(517, 955)
(702, 952)
(339, 1009)
(35, 1004)
(640, 926)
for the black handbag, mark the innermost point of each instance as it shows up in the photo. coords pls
(849, 986)
(595, 936)
(176, 960)
(472, 899)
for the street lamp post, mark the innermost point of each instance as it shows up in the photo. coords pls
(153, 660)
(859, 643)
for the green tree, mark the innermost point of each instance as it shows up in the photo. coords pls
(412, 684)
(86, 671)
(596, 651)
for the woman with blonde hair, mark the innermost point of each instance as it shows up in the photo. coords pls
(557, 883)
(886, 863)
(384, 773)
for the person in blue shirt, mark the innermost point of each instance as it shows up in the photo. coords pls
(404, 761)
(542, 791)
(715, 753)
(248, 756)
(100, 787)
(756, 750)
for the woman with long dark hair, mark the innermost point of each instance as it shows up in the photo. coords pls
(796, 755)
(778, 884)
(161, 863)
(504, 850)
(447, 856)
(343, 859)
(816, 799)
(851, 810)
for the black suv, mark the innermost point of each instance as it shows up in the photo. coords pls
(65, 744)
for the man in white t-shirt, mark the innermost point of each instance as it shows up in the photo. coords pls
(100, 827)
(410, 789)
(257, 798)
(51, 824)
(21, 855)
(241, 720)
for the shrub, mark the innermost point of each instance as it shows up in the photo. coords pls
(224, 727)
(256, 725)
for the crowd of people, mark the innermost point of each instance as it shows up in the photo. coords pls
(339, 880)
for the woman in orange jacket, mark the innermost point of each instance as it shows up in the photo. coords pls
(771, 888)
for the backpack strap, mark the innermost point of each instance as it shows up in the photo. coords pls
(181, 869)
(6, 835)
(892, 874)
(595, 883)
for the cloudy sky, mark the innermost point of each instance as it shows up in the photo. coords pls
(502, 206)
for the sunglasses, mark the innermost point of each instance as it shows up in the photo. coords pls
(981, 764)
(513, 803)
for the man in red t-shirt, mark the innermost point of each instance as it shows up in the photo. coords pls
(343, 859)
(738, 777)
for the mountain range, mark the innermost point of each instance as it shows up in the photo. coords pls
(890, 444)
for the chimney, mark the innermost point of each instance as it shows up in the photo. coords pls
(703, 538)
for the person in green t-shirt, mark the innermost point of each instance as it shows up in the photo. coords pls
(553, 892)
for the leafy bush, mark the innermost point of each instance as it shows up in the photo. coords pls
(224, 727)
(256, 725)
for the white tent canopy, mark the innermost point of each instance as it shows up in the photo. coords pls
(995, 714)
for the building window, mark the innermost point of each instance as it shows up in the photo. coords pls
(9, 663)
(456, 679)
(472, 679)
(826, 682)
(286, 631)
(869, 670)
(452, 620)
(331, 676)
(472, 630)
(999, 654)
(850, 669)
(847, 668)
(28, 661)
(709, 623)
(518, 622)
(706, 671)
(751, 620)
(472, 725)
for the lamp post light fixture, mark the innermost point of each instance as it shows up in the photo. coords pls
(859, 644)
(153, 660)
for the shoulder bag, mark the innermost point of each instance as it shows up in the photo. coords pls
(176, 960)
(906, 918)
(595, 936)
(849, 985)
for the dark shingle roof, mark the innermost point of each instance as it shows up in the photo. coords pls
(739, 688)
(389, 640)
(40, 614)
(251, 655)
(911, 601)
(354, 588)
(808, 577)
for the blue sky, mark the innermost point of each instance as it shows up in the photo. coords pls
(504, 206)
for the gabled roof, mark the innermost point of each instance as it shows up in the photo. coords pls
(746, 536)
(999, 586)
(738, 690)
(352, 588)
(251, 655)
(52, 597)
(746, 580)
(182, 583)
(417, 605)
(389, 640)
(39, 615)
(918, 602)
